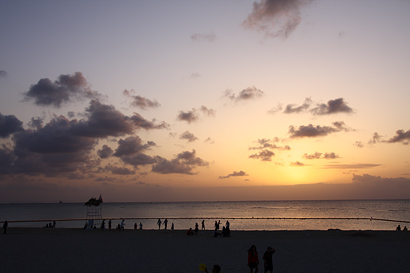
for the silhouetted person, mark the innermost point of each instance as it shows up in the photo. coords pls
(398, 228)
(203, 224)
(103, 224)
(196, 228)
(122, 224)
(172, 226)
(135, 225)
(5, 225)
(109, 224)
(166, 223)
(253, 260)
(267, 260)
(140, 225)
(159, 223)
(405, 228)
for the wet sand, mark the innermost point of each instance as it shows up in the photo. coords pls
(77, 250)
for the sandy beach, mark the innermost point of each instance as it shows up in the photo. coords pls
(77, 250)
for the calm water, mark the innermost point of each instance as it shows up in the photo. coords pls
(383, 209)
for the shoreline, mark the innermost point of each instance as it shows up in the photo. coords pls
(75, 249)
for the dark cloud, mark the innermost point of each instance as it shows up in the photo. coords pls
(240, 173)
(401, 136)
(140, 123)
(7, 158)
(105, 152)
(65, 89)
(36, 122)
(316, 131)
(246, 94)
(332, 107)
(188, 136)
(264, 155)
(54, 148)
(184, 163)
(9, 125)
(317, 155)
(210, 37)
(292, 108)
(131, 145)
(141, 102)
(275, 18)
(130, 151)
(139, 159)
(268, 144)
(104, 120)
(190, 116)
(119, 171)
(331, 155)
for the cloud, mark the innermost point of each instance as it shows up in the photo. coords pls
(207, 111)
(292, 108)
(246, 94)
(131, 145)
(297, 164)
(275, 109)
(105, 152)
(358, 144)
(401, 136)
(188, 136)
(332, 107)
(190, 116)
(351, 166)
(375, 139)
(265, 143)
(316, 131)
(3, 73)
(275, 18)
(184, 163)
(234, 174)
(9, 125)
(193, 116)
(65, 89)
(130, 151)
(264, 155)
(317, 155)
(209, 37)
(119, 171)
(141, 102)
(195, 75)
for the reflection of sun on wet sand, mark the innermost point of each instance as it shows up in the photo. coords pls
(77, 250)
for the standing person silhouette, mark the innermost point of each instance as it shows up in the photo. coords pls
(267, 260)
(253, 260)
(166, 223)
(5, 225)
(159, 223)
(203, 224)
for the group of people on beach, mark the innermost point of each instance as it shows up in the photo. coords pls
(226, 230)
(398, 228)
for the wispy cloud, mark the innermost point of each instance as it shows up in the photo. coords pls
(246, 94)
(209, 37)
(139, 101)
(234, 174)
(275, 18)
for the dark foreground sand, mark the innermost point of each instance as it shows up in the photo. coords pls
(77, 250)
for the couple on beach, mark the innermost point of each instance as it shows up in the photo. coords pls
(253, 260)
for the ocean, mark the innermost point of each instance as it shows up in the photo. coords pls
(244, 215)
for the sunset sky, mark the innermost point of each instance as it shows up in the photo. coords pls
(204, 100)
